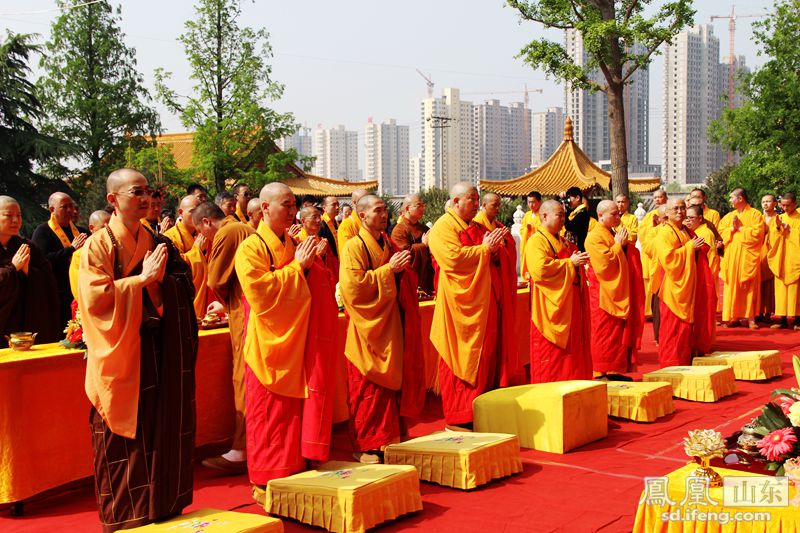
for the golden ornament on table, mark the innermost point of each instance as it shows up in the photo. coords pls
(705, 444)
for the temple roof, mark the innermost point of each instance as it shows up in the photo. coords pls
(301, 182)
(568, 167)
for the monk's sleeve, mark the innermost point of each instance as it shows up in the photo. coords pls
(725, 228)
(365, 291)
(610, 267)
(552, 276)
(266, 289)
(221, 265)
(776, 250)
(452, 255)
(74, 267)
(674, 259)
(633, 229)
(401, 236)
(10, 290)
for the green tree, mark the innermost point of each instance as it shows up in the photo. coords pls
(718, 190)
(157, 164)
(764, 129)
(93, 96)
(233, 82)
(22, 147)
(435, 200)
(618, 40)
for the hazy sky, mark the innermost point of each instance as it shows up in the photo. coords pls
(344, 61)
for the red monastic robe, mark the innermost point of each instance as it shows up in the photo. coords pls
(704, 329)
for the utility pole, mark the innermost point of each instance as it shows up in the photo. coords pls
(440, 122)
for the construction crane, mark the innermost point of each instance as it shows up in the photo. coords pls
(731, 56)
(428, 81)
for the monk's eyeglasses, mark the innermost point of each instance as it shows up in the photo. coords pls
(138, 193)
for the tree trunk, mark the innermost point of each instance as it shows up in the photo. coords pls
(219, 177)
(619, 143)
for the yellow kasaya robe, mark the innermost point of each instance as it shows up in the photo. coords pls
(676, 256)
(530, 223)
(74, 267)
(240, 215)
(303, 235)
(112, 311)
(784, 261)
(273, 282)
(741, 264)
(713, 257)
(461, 311)
(348, 228)
(646, 235)
(332, 226)
(375, 332)
(196, 258)
(610, 267)
(631, 223)
(712, 215)
(767, 293)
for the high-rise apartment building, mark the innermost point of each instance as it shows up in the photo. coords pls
(501, 140)
(336, 150)
(547, 132)
(448, 141)
(415, 166)
(386, 157)
(694, 85)
(589, 112)
(300, 141)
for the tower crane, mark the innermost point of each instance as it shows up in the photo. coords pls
(428, 81)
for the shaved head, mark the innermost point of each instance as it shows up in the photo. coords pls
(270, 191)
(550, 206)
(551, 214)
(464, 200)
(98, 220)
(605, 206)
(410, 199)
(659, 197)
(57, 197)
(490, 197)
(7, 200)
(308, 211)
(188, 202)
(253, 206)
(279, 206)
(461, 189)
(365, 202)
(357, 195)
(120, 178)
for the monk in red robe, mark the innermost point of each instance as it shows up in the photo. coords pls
(704, 330)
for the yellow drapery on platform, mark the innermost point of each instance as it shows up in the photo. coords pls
(696, 383)
(640, 401)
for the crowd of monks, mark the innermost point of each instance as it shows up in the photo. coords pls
(142, 279)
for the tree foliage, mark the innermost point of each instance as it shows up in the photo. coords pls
(23, 148)
(764, 129)
(228, 110)
(435, 199)
(93, 96)
(618, 40)
(718, 191)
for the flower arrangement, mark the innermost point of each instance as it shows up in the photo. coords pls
(74, 331)
(779, 426)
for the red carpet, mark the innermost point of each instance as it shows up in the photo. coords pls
(593, 488)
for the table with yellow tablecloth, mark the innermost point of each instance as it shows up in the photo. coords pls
(215, 521)
(696, 383)
(747, 365)
(682, 510)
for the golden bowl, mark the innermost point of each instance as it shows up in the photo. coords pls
(21, 340)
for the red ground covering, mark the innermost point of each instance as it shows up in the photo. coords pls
(593, 488)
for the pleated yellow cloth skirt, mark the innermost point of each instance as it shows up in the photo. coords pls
(218, 521)
(640, 401)
(697, 383)
(747, 366)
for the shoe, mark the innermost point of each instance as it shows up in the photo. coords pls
(752, 325)
(453, 428)
(231, 467)
(368, 458)
(779, 326)
(618, 377)
(259, 495)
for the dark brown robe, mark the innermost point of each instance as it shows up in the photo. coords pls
(408, 236)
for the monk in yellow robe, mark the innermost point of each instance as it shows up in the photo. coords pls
(464, 326)
(675, 252)
(351, 225)
(648, 223)
(742, 231)
(284, 372)
(254, 213)
(141, 333)
(330, 227)
(627, 220)
(242, 195)
(654, 272)
(377, 347)
(712, 215)
(530, 222)
(784, 261)
(97, 221)
(767, 293)
(225, 236)
(193, 247)
(613, 306)
(560, 329)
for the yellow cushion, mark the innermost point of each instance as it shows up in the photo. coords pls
(346, 497)
(552, 417)
(747, 366)
(696, 383)
(216, 520)
(460, 460)
(638, 401)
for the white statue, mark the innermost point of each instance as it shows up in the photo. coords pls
(640, 212)
(519, 214)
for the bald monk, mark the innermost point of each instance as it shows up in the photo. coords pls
(330, 227)
(287, 366)
(614, 308)
(742, 231)
(648, 223)
(97, 221)
(412, 235)
(352, 224)
(654, 272)
(225, 236)
(464, 326)
(58, 239)
(509, 370)
(530, 222)
(141, 330)
(675, 252)
(712, 215)
(383, 348)
(627, 220)
(560, 330)
(634, 327)
(26, 281)
(767, 293)
(311, 220)
(254, 213)
(193, 247)
(242, 195)
(784, 261)
(704, 329)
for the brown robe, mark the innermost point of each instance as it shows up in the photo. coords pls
(408, 236)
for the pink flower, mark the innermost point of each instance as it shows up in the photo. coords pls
(777, 443)
(784, 402)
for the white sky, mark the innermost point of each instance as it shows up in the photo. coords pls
(346, 60)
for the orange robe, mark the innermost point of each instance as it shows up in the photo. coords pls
(644, 234)
(196, 258)
(348, 228)
(741, 264)
(784, 261)
(223, 282)
(530, 223)
(461, 316)
(560, 331)
(676, 256)
(408, 236)
(704, 329)
(74, 268)
(711, 215)
(330, 260)
(766, 304)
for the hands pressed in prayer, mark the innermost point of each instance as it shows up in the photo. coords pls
(79, 241)
(737, 224)
(200, 241)
(322, 247)
(495, 238)
(166, 223)
(622, 236)
(22, 258)
(697, 242)
(294, 230)
(400, 260)
(154, 265)
(579, 258)
(305, 251)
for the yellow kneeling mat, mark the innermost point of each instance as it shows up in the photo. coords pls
(747, 366)
(215, 520)
(696, 383)
(459, 459)
(638, 401)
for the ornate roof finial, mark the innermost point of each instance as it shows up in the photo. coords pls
(568, 129)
